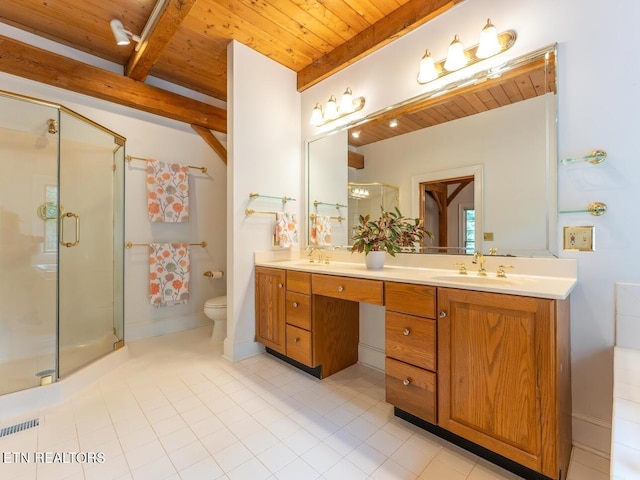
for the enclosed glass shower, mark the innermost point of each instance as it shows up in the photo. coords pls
(61, 242)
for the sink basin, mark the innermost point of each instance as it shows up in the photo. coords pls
(473, 280)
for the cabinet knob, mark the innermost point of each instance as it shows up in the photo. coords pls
(280, 285)
(295, 304)
(340, 288)
(406, 382)
(406, 332)
(296, 340)
(442, 314)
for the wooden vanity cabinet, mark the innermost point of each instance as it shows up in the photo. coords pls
(299, 336)
(270, 308)
(410, 349)
(316, 329)
(503, 375)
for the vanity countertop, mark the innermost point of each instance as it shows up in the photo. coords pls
(557, 285)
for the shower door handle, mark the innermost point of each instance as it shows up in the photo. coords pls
(77, 221)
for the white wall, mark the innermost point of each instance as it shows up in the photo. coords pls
(598, 108)
(265, 156)
(152, 136)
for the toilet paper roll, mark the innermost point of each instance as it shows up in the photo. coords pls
(215, 274)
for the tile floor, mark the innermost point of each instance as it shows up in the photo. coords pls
(178, 411)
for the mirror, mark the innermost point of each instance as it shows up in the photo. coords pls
(497, 127)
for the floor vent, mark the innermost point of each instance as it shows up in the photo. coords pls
(19, 427)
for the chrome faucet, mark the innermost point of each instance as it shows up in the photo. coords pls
(478, 258)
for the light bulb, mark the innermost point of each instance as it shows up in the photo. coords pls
(331, 110)
(316, 115)
(346, 102)
(456, 58)
(393, 123)
(427, 70)
(489, 44)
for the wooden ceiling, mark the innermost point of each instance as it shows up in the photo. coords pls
(187, 45)
(527, 81)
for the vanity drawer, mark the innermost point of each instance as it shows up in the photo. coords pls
(299, 282)
(411, 339)
(299, 346)
(411, 389)
(298, 310)
(410, 298)
(355, 289)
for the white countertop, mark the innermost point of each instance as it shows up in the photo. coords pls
(556, 285)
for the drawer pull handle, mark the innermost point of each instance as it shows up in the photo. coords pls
(295, 304)
(340, 288)
(406, 382)
(296, 340)
(280, 285)
(442, 314)
(406, 332)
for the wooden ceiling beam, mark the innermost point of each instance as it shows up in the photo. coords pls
(23, 60)
(406, 18)
(142, 61)
(212, 141)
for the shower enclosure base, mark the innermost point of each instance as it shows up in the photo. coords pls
(18, 403)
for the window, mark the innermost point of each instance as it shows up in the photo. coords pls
(469, 230)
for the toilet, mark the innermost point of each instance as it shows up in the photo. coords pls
(216, 309)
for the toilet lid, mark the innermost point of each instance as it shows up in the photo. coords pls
(216, 302)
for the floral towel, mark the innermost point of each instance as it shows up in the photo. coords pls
(169, 267)
(321, 231)
(167, 191)
(286, 229)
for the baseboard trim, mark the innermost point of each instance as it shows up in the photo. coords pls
(591, 434)
(139, 331)
(370, 356)
(236, 351)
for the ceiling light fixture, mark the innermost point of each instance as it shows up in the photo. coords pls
(121, 34)
(334, 110)
(491, 44)
(124, 36)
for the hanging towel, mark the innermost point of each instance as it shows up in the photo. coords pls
(167, 191)
(321, 231)
(286, 229)
(169, 267)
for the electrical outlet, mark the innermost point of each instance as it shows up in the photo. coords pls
(579, 239)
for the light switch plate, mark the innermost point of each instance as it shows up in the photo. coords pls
(580, 239)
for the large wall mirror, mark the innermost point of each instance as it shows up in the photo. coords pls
(476, 159)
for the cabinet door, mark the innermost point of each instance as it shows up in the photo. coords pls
(496, 384)
(270, 308)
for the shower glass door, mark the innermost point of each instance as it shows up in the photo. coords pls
(28, 242)
(91, 243)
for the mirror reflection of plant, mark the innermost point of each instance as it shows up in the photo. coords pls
(391, 232)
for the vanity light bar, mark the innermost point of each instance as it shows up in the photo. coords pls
(430, 70)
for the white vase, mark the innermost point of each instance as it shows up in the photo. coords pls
(375, 260)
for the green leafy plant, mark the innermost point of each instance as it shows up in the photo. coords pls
(391, 232)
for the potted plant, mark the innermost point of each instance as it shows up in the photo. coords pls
(391, 233)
